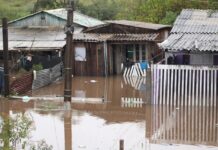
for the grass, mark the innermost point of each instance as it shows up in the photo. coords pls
(13, 9)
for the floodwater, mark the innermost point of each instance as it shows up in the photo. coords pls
(124, 112)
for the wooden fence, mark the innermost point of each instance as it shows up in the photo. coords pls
(184, 85)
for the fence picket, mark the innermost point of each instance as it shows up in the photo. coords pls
(184, 85)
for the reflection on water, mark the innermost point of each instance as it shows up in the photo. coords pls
(111, 88)
(100, 126)
(187, 125)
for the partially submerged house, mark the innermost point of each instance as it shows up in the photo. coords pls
(106, 49)
(193, 39)
(42, 35)
(100, 48)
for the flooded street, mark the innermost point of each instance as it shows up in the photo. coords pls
(124, 112)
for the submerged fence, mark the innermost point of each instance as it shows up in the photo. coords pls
(185, 124)
(46, 76)
(184, 85)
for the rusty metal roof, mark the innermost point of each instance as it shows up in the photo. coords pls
(193, 30)
(150, 26)
(94, 37)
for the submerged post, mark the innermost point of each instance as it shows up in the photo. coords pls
(68, 53)
(5, 47)
(68, 129)
(121, 144)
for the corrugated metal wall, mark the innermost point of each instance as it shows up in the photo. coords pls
(47, 76)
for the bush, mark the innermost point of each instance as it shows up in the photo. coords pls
(37, 67)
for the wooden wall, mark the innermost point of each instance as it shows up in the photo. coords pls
(95, 59)
(94, 64)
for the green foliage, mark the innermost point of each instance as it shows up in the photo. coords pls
(213, 4)
(14, 131)
(101, 9)
(41, 145)
(37, 67)
(169, 18)
(47, 4)
(156, 11)
(15, 9)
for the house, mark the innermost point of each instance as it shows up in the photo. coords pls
(106, 49)
(56, 18)
(42, 35)
(193, 39)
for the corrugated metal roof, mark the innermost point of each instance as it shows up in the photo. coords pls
(138, 24)
(196, 21)
(34, 39)
(34, 45)
(193, 30)
(93, 37)
(79, 18)
(191, 42)
(28, 34)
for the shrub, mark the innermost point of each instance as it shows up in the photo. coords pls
(37, 67)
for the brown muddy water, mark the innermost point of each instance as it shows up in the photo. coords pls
(125, 113)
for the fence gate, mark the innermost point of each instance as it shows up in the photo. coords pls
(184, 85)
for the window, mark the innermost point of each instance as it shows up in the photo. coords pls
(80, 54)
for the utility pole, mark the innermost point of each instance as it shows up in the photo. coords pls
(68, 53)
(5, 47)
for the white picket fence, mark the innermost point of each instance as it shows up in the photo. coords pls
(184, 85)
(134, 70)
(132, 102)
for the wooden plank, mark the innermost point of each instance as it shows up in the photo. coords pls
(161, 87)
(186, 87)
(208, 88)
(182, 93)
(164, 87)
(197, 107)
(157, 86)
(201, 89)
(193, 105)
(204, 87)
(215, 88)
(179, 87)
(189, 87)
(211, 89)
(171, 86)
(154, 83)
(197, 87)
(193, 88)
(175, 87)
(168, 86)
